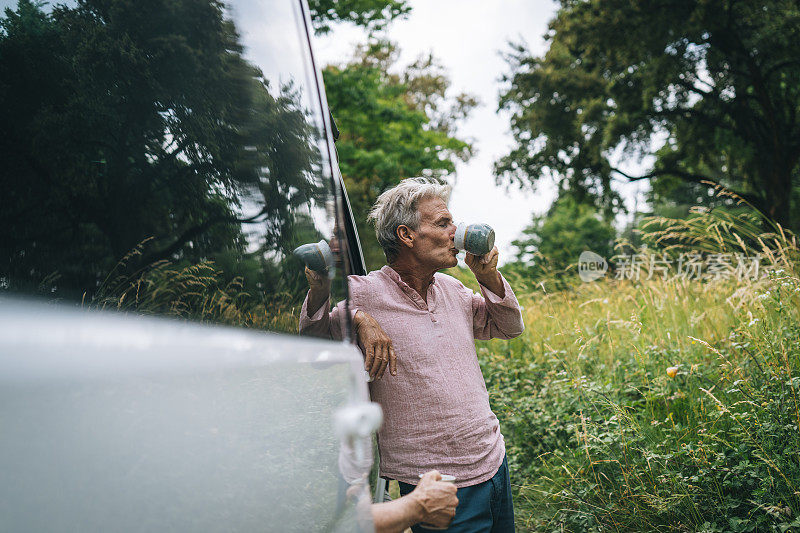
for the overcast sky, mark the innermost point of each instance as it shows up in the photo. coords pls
(468, 36)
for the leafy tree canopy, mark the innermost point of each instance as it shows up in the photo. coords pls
(718, 79)
(555, 240)
(371, 14)
(394, 125)
(124, 124)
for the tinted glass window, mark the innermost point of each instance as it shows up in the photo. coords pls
(164, 157)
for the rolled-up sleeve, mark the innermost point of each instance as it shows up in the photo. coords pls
(333, 324)
(494, 317)
(324, 324)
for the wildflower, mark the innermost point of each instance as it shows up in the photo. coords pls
(753, 322)
(673, 370)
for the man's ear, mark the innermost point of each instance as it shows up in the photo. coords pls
(406, 235)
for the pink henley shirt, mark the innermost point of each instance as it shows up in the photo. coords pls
(436, 409)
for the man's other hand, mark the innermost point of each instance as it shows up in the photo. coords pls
(436, 499)
(485, 269)
(376, 344)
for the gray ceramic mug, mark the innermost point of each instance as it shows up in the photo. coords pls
(477, 239)
(316, 255)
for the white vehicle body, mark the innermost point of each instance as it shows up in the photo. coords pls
(120, 423)
(113, 421)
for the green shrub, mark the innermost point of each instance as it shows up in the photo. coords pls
(600, 438)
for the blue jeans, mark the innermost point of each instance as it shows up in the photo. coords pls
(485, 507)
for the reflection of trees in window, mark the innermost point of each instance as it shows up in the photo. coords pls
(124, 122)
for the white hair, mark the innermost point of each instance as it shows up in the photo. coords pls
(398, 206)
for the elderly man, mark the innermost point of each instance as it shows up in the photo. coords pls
(422, 324)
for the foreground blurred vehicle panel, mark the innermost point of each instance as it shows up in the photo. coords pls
(138, 424)
(165, 159)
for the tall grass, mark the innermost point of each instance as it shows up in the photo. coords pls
(199, 292)
(600, 438)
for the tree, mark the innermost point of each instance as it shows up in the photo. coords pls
(718, 79)
(393, 126)
(555, 240)
(124, 124)
(373, 15)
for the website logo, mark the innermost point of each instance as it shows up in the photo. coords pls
(591, 266)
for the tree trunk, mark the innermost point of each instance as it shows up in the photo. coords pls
(778, 193)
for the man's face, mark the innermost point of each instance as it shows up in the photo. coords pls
(434, 245)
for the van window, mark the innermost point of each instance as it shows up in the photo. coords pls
(164, 160)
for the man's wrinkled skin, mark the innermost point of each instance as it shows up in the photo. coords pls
(432, 502)
(376, 345)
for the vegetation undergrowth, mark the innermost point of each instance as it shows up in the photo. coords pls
(601, 438)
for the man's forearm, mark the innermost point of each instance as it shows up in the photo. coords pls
(316, 299)
(320, 322)
(396, 515)
(493, 282)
